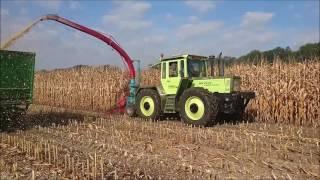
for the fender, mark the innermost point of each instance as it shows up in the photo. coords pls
(156, 88)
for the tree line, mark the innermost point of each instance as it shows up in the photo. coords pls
(305, 52)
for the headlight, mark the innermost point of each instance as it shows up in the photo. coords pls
(236, 84)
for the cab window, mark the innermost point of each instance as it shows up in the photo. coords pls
(173, 69)
(196, 68)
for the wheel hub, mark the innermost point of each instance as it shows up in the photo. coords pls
(147, 106)
(194, 108)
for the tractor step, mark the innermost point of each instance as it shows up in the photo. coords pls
(170, 106)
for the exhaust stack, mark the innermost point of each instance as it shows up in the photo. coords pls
(221, 65)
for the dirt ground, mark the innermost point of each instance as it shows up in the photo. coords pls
(61, 145)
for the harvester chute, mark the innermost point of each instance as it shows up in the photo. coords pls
(97, 35)
(108, 40)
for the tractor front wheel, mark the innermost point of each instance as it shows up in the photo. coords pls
(148, 104)
(198, 107)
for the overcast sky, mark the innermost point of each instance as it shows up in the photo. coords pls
(145, 29)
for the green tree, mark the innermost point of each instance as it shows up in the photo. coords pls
(308, 51)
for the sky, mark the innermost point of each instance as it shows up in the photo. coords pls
(146, 29)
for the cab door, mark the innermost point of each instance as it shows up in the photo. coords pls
(171, 76)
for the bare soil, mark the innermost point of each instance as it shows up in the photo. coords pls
(72, 146)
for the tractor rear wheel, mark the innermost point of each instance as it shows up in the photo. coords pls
(148, 104)
(198, 107)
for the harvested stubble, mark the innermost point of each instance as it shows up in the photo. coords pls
(286, 93)
(119, 147)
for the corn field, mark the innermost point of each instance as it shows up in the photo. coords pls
(83, 88)
(286, 93)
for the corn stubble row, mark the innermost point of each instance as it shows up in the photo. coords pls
(286, 93)
(123, 148)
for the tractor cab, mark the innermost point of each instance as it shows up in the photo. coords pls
(196, 71)
(192, 87)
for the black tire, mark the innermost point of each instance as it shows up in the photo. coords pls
(209, 101)
(153, 94)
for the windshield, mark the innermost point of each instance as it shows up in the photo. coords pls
(197, 68)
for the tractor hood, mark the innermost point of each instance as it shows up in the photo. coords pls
(218, 84)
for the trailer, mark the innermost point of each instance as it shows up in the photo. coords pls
(16, 83)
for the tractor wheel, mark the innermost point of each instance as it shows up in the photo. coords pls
(148, 104)
(198, 107)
